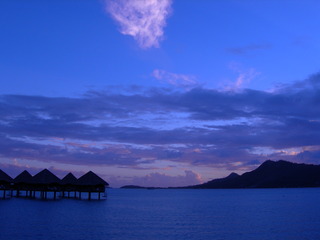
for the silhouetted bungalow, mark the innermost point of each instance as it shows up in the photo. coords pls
(5, 182)
(45, 181)
(69, 184)
(90, 183)
(23, 182)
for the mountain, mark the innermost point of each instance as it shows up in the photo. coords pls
(270, 174)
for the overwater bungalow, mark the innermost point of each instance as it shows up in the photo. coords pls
(44, 182)
(91, 183)
(23, 182)
(69, 185)
(5, 183)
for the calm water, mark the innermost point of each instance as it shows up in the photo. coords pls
(258, 214)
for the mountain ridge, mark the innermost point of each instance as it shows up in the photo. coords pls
(271, 174)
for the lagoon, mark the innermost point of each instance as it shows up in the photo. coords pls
(168, 214)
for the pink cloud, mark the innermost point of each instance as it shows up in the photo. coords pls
(243, 79)
(178, 80)
(144, 20)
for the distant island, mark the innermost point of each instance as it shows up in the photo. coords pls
(270, 174)
(139, 187)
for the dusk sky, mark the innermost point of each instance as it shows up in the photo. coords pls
(158, 92)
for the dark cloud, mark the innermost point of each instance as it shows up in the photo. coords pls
(200, 126)
(310, 156)
(249, 48)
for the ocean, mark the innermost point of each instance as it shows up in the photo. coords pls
(235, 214)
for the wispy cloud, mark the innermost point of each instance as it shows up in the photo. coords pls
(244, 77)
(178, 80)
(248, 48)
(144, 20)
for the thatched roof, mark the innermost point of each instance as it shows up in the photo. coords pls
(45, 177)
(24, 177)
(69, 179)
(91, 178)
(5, 177)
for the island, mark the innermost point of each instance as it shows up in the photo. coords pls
(270, 174)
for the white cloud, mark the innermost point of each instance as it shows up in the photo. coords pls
(178, 80)
(144, 20)
(243, 79)
(163, 180)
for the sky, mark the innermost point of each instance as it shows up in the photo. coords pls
(158, 92)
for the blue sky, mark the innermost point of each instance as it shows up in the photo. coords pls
(158, 92)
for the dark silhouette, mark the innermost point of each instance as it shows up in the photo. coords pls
(132, 187)
(271, 174)
(45, 181)
(91, 183)
(5, 183)
(69, 184)
(24, 182)
(139, 187)
(69, 179)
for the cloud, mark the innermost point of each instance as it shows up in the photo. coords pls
(200, 127)
(245, 76)
(309, 84)
(144, 20)
(248, 48)
(163, 180)
(177, 80)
